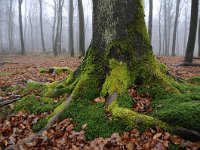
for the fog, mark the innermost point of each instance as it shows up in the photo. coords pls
(30, 14)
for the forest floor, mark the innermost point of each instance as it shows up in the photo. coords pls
(17, 70)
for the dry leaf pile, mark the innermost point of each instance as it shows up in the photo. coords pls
(62, 136)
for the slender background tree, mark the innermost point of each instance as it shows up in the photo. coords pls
(193, 29)
(175, 28)
(41, 26)
(21, 26)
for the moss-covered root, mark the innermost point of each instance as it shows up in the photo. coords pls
(56, 114)
(133, 119)
(56, 70)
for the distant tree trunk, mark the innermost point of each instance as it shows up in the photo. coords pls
(169, 24)
(165, 26)
(175, 28)
(71, 32)
(150, 18)
(53, 29)
(61, 2)
(25, 21)
(193, 29)
(81, 29)
(21, 27)
(160, 36)
(199, 39)
(0, 29)
(57, 43)
(10, 25)
(31, 25)
(41, 26)
(185, 32)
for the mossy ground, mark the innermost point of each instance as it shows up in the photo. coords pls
(178, 109)
(195, 80)
(94, 115)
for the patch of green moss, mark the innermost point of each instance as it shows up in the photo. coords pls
(187, 87)
(5, 87)
(133, 119)
(34, 104)
(38, 88)
(182, 110)
(125, 101)
(118, 80)
(5, 111)
(91, 78)
(185, 114)
(58, 70)
(195, 80)
(175, 147)
(40, 124)
(94, 115)
(43, 70)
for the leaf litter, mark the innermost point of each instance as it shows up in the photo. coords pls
(14, 128)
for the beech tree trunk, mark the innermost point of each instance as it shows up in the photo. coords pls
(53, 29)
(81, 29)
(41, 27)
(193, 29)
(150, 18)
(10, 25)
(119, 56)
(160, 35)
(199, 40)
(175, 28)
(165, 28)
(185, 29)
(71, 29)
(57, 41)
(21, 27)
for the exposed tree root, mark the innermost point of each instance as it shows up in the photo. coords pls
(186, 64)
(132, 118)
(56, 114)
(198, 58)
(7, 102)
(187, 134)
(138, 120)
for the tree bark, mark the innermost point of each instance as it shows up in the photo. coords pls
(41, 26)
(71, 30)
(21, 27)
(193, 29)
(57, 42)
(199, 39)
(53, 29)
(150, 18)
(10, 25)
(165, 27)
(160, 35)
(31, 25)
(119, 56)
(185, 32)
(175, 28)
(81, 29)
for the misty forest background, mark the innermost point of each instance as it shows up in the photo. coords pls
(59, 20)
